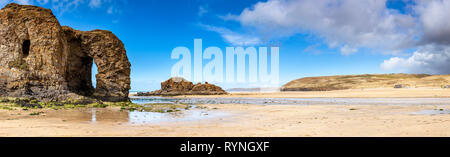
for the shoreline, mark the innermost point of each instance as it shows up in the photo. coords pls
(250, 120)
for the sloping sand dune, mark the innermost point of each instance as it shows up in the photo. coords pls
(328, 83)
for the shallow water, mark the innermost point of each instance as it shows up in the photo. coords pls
(137, 117)
(296, 101)
(153, 100)
(189, 115)
(432, 112)
(95, 116)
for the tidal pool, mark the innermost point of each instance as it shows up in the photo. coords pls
(138, 117)
(189, 115)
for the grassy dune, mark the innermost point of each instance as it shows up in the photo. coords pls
(329, 83)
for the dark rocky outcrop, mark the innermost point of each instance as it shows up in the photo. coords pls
(43, 60)
(180, 86)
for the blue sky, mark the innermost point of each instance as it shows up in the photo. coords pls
(362, 37)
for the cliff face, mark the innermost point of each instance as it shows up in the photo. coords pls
(41, 59)
(180, 86)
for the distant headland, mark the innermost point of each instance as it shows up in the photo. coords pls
(342, 82)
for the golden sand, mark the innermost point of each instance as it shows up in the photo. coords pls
(252, 120)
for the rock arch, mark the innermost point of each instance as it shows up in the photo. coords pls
(41, 59)
(109, 54)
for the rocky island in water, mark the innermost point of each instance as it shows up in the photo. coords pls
(180, 86)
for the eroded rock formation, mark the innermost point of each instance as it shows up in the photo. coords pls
(180, 86)
(108, 52)
(42, 59)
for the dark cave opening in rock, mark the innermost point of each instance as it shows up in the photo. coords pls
(79, 71)
(80, 74)
(26, 48)
(85, 85)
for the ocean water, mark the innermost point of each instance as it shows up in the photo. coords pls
(295, 101)
(432, 112)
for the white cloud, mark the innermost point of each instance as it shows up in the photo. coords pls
(433, 54)
(341, 23)
(347, 50)
(42, 2)
(24, 2)
(348, 25)
(202, 10)
(110, 10)
(62, 6)
(430, 59)
(236, 39)
(228, 17)
(95, 3)
(434, 16)
(58, 6)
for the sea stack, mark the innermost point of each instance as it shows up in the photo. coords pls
(180, 86)
(43, 60)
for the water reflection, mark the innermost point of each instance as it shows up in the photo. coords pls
(97, 116)
(94, 116)
(188, 115)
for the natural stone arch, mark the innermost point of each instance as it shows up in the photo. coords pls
(109, 54)
(113, 77)
(78, 71)
(41, 59)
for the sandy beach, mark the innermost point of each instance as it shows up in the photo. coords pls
(247, 120)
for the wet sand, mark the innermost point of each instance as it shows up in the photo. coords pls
(239, 120)
(380, 112)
